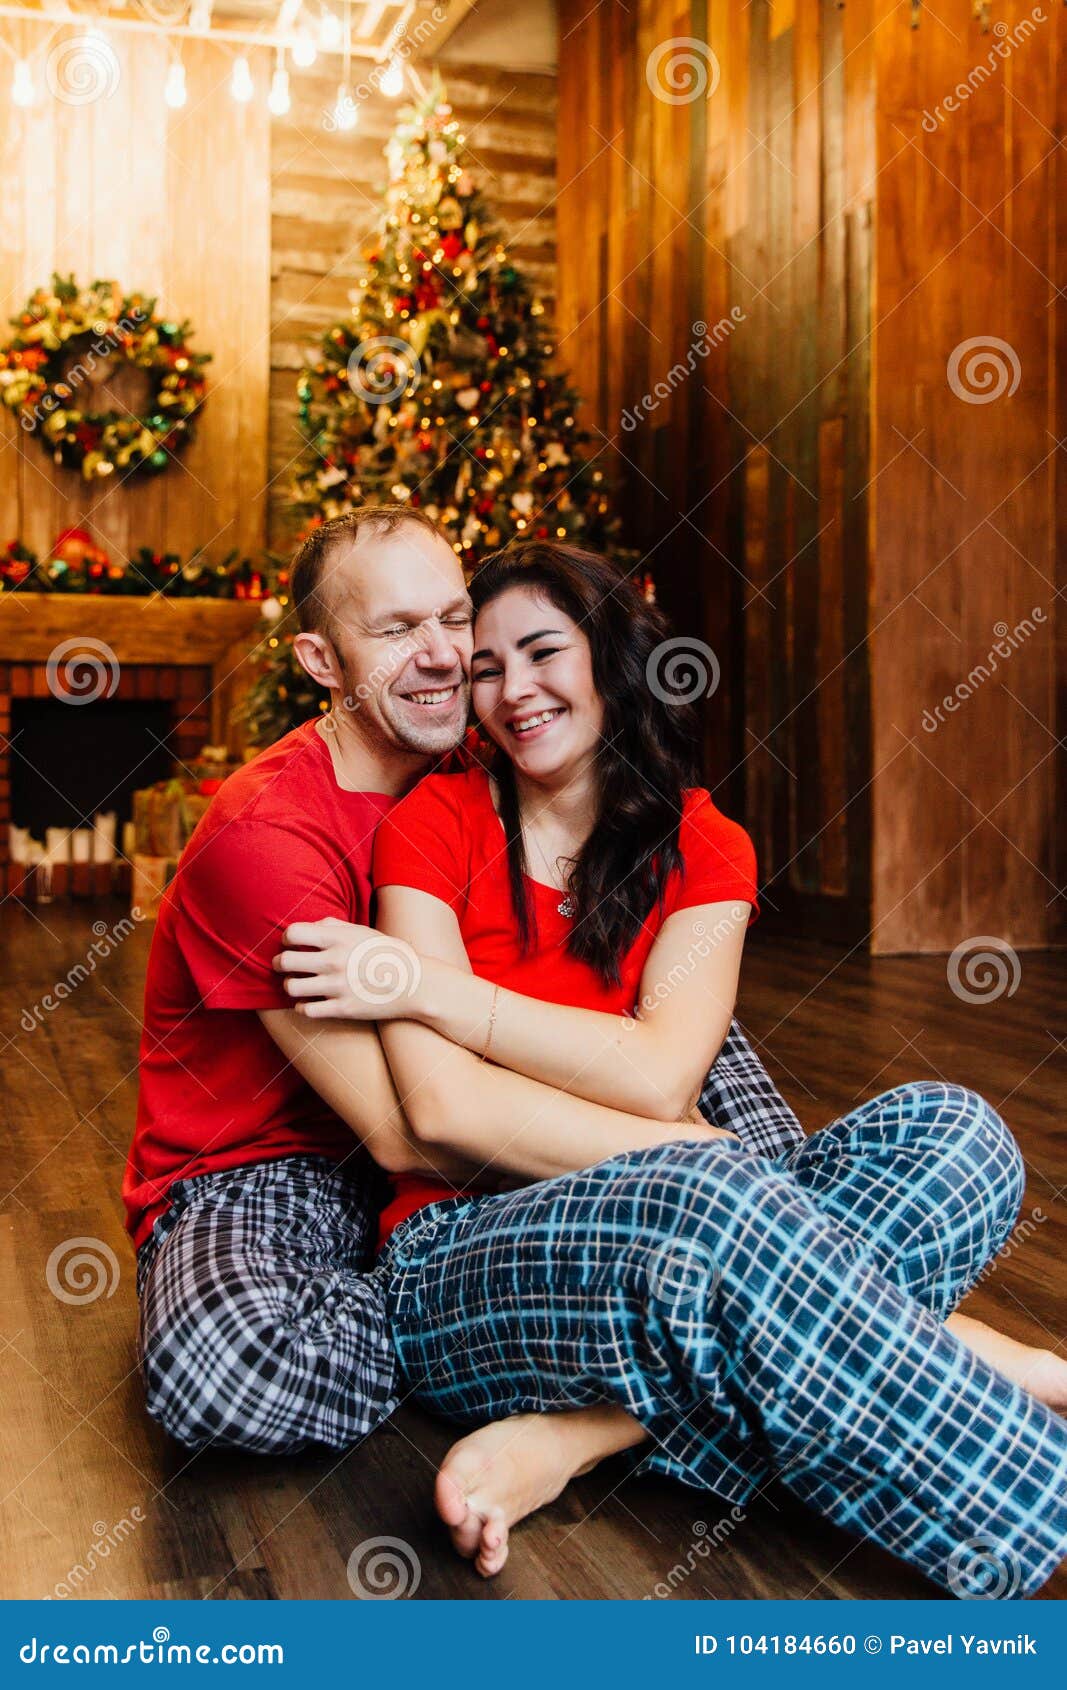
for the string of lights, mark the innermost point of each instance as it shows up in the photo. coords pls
(87, 59)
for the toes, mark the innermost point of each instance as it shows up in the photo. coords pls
(467, 1536)
(450, 1499)
(493, 1551)
(464, 1525)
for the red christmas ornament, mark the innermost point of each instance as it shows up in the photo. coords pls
(75, 547)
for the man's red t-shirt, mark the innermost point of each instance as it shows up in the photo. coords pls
(446, 838)
(281, 842)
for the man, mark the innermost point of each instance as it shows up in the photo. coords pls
(262, 1140)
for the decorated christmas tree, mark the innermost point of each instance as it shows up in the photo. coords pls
(437, 391)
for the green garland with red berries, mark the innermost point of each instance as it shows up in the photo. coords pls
(64, 337)
(76, 564)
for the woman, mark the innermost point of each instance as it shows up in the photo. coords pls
(576, 912)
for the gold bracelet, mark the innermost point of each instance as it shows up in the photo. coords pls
(492, 1023)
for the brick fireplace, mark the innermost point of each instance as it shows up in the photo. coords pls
(65, 662)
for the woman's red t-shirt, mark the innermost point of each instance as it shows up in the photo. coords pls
(446, 838)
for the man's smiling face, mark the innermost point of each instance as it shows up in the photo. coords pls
(401, 626)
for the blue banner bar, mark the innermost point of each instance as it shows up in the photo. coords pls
(538, 1646)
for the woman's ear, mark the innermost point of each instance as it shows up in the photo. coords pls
(315, 654)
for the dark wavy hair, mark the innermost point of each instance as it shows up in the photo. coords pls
(646, 760)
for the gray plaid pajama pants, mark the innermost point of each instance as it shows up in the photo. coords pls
(762, 1312)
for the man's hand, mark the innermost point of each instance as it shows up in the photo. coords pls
(343, 971)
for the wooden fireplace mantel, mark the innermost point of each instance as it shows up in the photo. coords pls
(189, 652)
(149, 630)
(214, 634)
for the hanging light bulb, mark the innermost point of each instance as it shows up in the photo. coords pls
(241, 85)
(392, 82)
(174, 88)
(22, 85)
(278, 99)
(345, 112)
(331, 33)
(304, 50)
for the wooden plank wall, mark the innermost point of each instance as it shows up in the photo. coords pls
(175, 202)
(818, 476)
(326, 202)
(253, 227)
(969, 247)
(746, 484)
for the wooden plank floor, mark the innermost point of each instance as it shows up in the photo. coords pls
(81, 1464)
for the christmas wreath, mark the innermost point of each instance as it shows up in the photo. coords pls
(106, 383)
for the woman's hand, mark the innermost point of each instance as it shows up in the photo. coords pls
(343, 971)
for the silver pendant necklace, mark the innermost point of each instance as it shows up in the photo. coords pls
(566, 906)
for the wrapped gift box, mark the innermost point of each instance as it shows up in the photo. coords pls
(149, 880)
(212, 765)
(165, 815)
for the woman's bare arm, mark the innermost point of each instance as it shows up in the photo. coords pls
(651, 1064)
(485, 1112)
(346, 1065)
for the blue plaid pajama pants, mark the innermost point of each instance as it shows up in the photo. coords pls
(261, 1328)
(771, 1309)
(764, 1318)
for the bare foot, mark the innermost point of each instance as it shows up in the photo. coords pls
(1041, 1372)
(497, 1475)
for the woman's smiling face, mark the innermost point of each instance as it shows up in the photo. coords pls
(532, 685)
